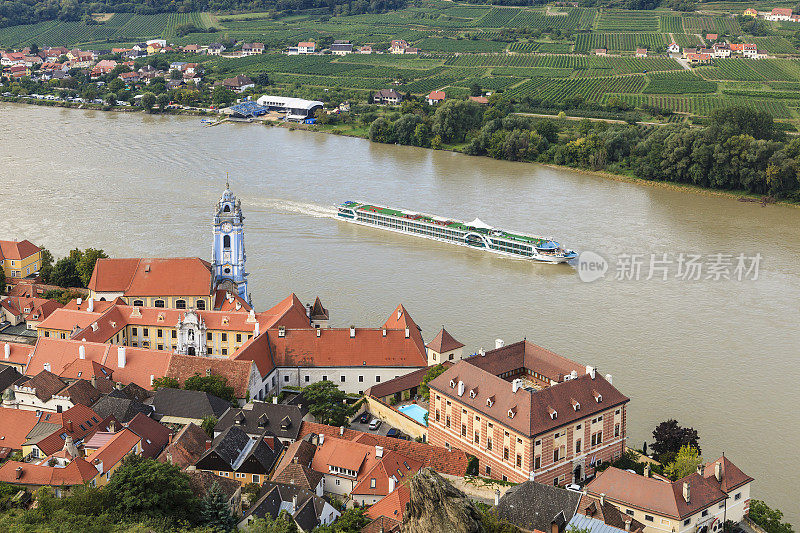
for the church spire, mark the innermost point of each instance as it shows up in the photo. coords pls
(228, 255)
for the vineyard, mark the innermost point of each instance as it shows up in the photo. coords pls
(437, 44)
(670, 24)
(590, 89)
(678, 82)
(643, 21)
(619, 41)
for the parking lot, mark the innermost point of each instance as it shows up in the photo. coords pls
(358, 426)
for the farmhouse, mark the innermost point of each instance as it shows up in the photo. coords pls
(341, 48)
(780, 13)
(641, 52)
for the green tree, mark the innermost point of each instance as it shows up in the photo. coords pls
(686, 462)
(215, 512)
(65, 274)
(454, 118)
(769, 519)
(46, 268)
(381, 131)
(208, 424)
(327, 403)
(432, 373)
(166, 383)
(147, 488)
(212, 384)
(669, 437)
(351, 521)
(222, 96)
(148, 101)
(163, 101)
(85, 264)
(282, 524)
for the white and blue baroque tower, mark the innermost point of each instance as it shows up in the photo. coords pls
(228, 252)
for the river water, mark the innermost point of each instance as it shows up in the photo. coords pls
(718, 355)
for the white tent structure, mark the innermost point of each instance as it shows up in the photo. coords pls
(479, 224)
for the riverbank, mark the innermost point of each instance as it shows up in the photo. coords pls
(362, 132)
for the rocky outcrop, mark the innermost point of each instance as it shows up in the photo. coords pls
(436, 506)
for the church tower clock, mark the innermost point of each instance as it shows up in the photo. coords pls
(228, 251)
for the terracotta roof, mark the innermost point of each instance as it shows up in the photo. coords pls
(112, 452)
(80, 422)
(479, 99)
(186, 448)
(256, 350)
(178, 276)
(782, 11)
(99, 306)
(299, 452)
(81, 392)
(392, 465)
(732, 476)
(299, 475)
(17, 249)
(154, 435)
(15, 424)
(237, 373)
(660, 497)
(444, 342)
(533, 409)
(221, 303)
(19, 354)
(381, 524)
(452, 461)
(30, 308)
(76, 472)
(67, 320)
(436, 95)
(608, 514)
(393, 505)
(525, 354)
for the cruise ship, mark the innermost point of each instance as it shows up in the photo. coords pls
(475, 234)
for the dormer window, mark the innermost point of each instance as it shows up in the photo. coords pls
(473, 393)
(576, 405)
(553, 413)
(597, 396)
(490, 401)
(452, 384)
(512, 412)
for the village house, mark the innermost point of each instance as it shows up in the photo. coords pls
(279, 419)
(192, 49)
(48, 436)
(366, 49)
(306, 47)
(699, 59)
(236, 456)
(182, 407)
(105, 450)
(721, 49)
(435, 97)
(673, 48)
(711, 37)
(701, 501)
(306, 509)
(215, 49)
(47, 392)
(750, 12)
(251, 49)
(186, 447)
(779, 13)
(400, 46)
(387, 97)
(238, 84)
(202, 482)
(295, 467)
(20, 259)
(15, 355)
(341, 48)
(527, 413)
(23, 309)
(641, 52)
(15, 425)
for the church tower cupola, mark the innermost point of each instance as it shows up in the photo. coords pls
(228, 256)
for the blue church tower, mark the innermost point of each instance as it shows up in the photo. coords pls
(228, 252)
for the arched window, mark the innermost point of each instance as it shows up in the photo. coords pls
(138, 303)
(227, 208)
(226, 241)
(180, 304)
(201, 305)
(158, 303)
(227, 270)
(103, 299)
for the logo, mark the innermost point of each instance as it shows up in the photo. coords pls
(591, 266)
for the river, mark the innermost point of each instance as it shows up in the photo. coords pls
(720, 356)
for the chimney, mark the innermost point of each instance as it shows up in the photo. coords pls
(718, 471)
(282, 331)
(7, 350)
(121, 356)
(294, 504)
(308, 310)
(352, 331)
(608, 378)
(499, 343)
(341, 430)
(208, 444)
(516, 385)
(93, 381)
(94, 326)
(574, 374)
(496, 497)
(408, 332)
(319, 332)
(321, 439)
(90, 308)
(81, 352)
(79, 301)
(256, 330)
(112, 427)
(152, 379)
(18, 472)
(591, 371)
(275, 399)
(378, 451)
(461, 388)
(701, 468)
(627, 524)
(384, 332)
(47, 366)
(391, 483)
(69, 426)
(686, 492)
(169, 441)
(647, 470)
(602, 499)
(482, 352)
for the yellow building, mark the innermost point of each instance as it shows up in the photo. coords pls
(20, 258)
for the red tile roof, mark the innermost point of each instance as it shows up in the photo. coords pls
(186, 448)
(393, 505)
(436, 95)
(17, 249)
(112, 452)
(19, 354)
(155, 436)
(444, 342)
(452, 462)
(178, 276)
(661, 497)
(66, 320)
(15, 424)
(72, 420)
(787, 12)
(732, 476)
(76, 472)
(30, 308)
(402, 383)
(236, 372)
